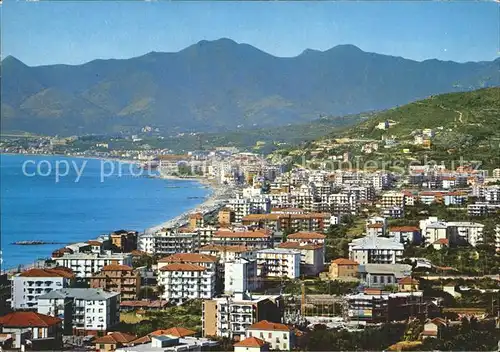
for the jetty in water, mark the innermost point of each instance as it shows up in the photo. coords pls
(34, 243)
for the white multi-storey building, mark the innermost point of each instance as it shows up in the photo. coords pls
(469, 232)
(170, 241)
(245, 206)
(393, 199)
(377, 250)
(231, 316)
(240, 275)
(85, 265)
(30, 284)
(259, 239)
(228, 253)
(146, 243)
(84, 310)
(183, 282)
(279, 263)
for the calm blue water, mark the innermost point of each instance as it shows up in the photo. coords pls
(39, 208)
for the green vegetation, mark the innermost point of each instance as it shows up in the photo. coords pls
(186, 316)
(370, 339)
(466, 128)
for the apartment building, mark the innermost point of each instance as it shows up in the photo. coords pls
(206, 233)
(196, 221)
(228, 253)
(430, 197)
(123, 240)
(482, 209)
(342, 203)
(85, 265)
(279, 336)
(245, 206)
(406, 234)
(183, 282)
(278, 263)
(311, 256)
(226, 216)
(146, 243)
(118, 278)
(435, 231)
(373, 249)
(376, 306)
(307, 237)
(231, 316)
(289, 220)
(29, 285)
(462, 232)
(240, 275)
(170, 241)
(488, 194)
(207, 261)
(306, 222)
(455, 198)
(392, 199)
(258, 239)
(394, 212)
(85, 311)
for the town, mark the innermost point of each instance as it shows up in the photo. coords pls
(281, 257)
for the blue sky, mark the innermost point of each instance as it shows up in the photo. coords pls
(75, 32)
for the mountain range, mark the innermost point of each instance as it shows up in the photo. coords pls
(220, 86)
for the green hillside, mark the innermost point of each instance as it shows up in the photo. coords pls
(443, 128)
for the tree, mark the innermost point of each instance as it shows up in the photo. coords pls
(160, 290)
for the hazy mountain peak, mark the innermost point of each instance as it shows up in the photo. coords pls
(11, 60)
(347, 48)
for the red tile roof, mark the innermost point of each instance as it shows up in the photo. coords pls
(175, 331)
(242, 234)
(267, 325)
(408, 280)
(94, 243)
(306, 235)
(144, 303)
(182, 267)
(28, 319)
(344, 261)
(298, 245)
(375, 226)
(403, 229)
(56, 272)
(141, 340)
(251, 342)
(220, 248)
(188, 258)
(115, 337)
(442, 241)
(117, 267)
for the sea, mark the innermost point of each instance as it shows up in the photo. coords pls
(67, 200)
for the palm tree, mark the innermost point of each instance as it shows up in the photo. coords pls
(161, 290)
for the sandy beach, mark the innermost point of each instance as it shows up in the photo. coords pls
(217, 199)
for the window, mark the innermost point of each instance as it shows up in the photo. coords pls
(374, 279)
(101, 346)
(270, 335)
(284, 346)
(249, 334)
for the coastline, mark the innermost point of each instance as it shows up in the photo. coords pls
(213, 200)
